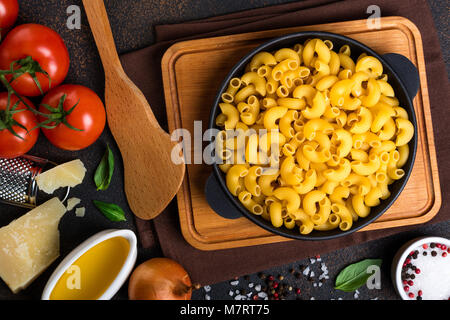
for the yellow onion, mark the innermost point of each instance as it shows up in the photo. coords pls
(160, 279)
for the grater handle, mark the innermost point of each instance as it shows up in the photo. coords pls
(18, 184)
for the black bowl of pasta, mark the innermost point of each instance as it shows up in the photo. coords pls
(316, 135)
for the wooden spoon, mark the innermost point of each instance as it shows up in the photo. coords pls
(151, 177)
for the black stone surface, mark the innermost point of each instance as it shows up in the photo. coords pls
(132, 24)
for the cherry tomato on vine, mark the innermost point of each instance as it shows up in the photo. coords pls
(9, 9)
(16, 124)
(39, 54)
(76, 117)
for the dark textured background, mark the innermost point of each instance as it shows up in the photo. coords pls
(132, 24)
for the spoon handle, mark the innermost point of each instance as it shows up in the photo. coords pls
(101, 29)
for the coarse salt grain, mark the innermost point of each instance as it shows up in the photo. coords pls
(207, 288)
(250, 285)
(231, 293)
(306, 271)
(262, 295)
(207, 297)
(258, 287)
(234, 283)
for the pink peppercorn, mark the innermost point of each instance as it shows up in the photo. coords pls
(275, 285)
(405, 282)
(255, 297)
(406, 288)
(438, 245)
(411, 295)
(410, 283)
(275, 295)
(270, 278)
(407, 260)
(425, 246)
(298, 291)
(419, 293)
(417, 271)
(443, 247)
(444, 254)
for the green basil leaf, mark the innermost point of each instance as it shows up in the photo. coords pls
(355, 275)
(112, 211)
(105, 170)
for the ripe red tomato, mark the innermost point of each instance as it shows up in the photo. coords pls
(9, 9)
(88, 115)
(10, 145)
(44, 46)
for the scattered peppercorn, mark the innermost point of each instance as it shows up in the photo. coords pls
(432, 245)
(425, 253)
(433, 253)
(419, 298)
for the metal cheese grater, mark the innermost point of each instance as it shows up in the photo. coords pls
(17, 180)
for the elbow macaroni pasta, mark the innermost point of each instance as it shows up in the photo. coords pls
(322, 136)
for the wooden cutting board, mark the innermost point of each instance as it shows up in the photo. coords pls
(192, 73)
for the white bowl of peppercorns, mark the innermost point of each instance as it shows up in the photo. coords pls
(421, 269)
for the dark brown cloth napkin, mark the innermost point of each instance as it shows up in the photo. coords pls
(144, 68)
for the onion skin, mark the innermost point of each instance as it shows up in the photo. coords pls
(160, 279)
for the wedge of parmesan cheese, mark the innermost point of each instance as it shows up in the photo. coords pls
(29, 244)
(69, 174)
(72, 203)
